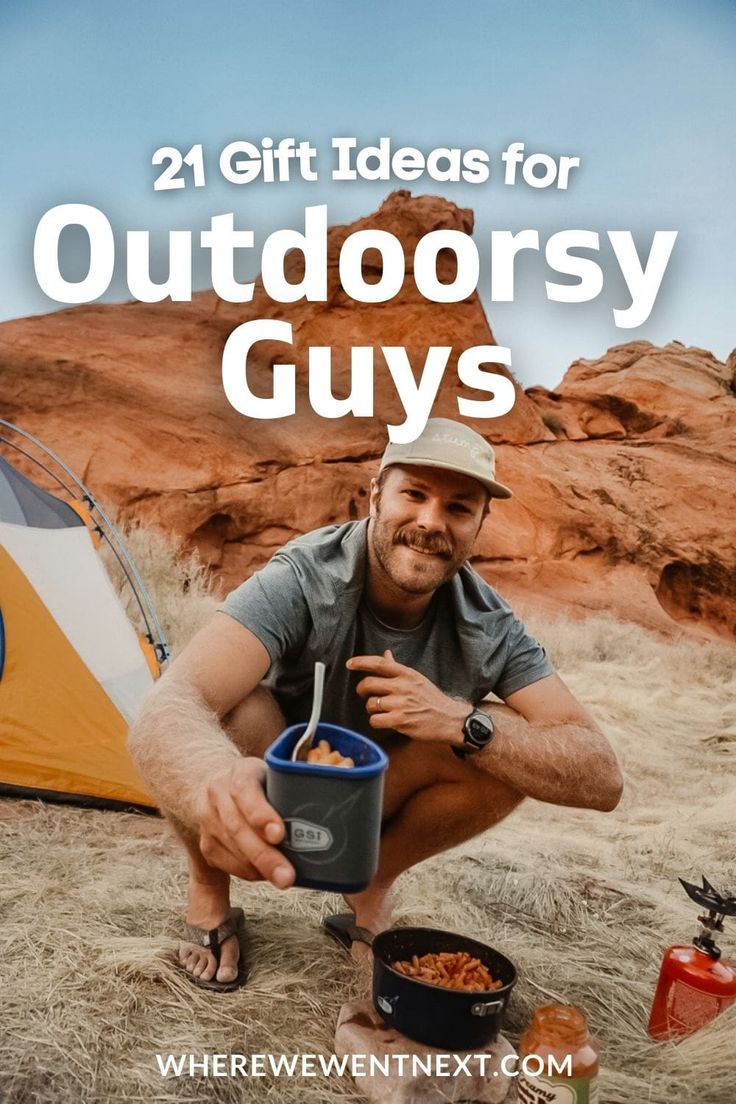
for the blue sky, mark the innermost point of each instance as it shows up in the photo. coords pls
(641, 92)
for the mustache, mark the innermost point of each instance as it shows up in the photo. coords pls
(432, 543)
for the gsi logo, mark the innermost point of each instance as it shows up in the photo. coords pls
(305, 836)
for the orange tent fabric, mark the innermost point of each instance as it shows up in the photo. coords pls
(60, 730)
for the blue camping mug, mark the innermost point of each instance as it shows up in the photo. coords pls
(332, 814)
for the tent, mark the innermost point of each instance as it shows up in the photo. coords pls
(73, 669)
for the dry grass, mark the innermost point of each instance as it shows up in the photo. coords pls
(583, 902)
(177, 583)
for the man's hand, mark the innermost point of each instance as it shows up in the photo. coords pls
(398, 698)
(238, 826)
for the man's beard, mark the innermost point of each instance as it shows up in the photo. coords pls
(437, 571)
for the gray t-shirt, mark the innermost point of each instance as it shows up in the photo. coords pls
(307, 604)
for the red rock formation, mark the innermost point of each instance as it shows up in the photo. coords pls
(638, 477)
(621, 475)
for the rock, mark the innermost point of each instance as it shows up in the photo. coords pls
(629, 511)
(653, 391)
(621, 474)
(361, 1031)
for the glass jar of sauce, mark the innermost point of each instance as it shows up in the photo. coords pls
(558, 1059)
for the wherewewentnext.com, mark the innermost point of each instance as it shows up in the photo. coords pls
(358, 1065)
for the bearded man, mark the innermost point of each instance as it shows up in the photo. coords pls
(414, 641)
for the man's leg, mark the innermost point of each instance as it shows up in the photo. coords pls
(433, 801)
(252, 726)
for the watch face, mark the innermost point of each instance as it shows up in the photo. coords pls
(478, 729)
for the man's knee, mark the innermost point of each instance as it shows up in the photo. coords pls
(415, 766)
(254, 723)
(493, 799)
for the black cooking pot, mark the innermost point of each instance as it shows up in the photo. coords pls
(433, 1014)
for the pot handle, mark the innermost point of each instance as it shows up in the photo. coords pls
(486, 1008)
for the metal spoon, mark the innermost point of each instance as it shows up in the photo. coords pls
(304, 743)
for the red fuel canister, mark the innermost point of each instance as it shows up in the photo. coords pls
(695, 984)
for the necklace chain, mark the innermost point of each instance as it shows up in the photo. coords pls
(396, 628)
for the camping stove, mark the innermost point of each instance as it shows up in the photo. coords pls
(695, 984)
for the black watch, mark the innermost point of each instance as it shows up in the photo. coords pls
(478, 730)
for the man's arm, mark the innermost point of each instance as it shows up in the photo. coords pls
(546, 745)
(194, 770)
(177, 741)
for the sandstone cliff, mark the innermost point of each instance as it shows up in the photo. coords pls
(623, 476)
(631, 506)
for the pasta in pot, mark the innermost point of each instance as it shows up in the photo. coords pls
(450, 969)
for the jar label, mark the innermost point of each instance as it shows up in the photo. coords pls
(553, 1090)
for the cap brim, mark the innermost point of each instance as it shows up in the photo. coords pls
(495, 489)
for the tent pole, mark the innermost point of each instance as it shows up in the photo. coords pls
(121, 553)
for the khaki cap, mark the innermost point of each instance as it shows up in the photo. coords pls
(453, 446)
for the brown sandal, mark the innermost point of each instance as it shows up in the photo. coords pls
(212, 939)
